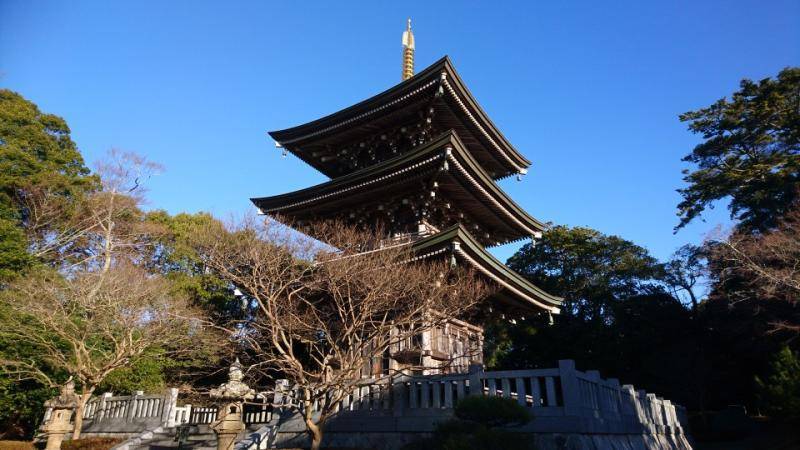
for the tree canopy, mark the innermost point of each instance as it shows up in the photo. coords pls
(618, 315)
(36, 153)
(750, 153)
(589, 269)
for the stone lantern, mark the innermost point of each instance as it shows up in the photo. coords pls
(58, 423)
(229, 421)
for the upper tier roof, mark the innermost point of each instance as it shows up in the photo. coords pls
(435, 97)
(440, 176)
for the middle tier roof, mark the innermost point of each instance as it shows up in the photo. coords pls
(439, 182)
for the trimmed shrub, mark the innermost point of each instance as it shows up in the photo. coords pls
(478, 425)
(492, 411)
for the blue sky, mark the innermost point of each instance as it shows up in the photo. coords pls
(588, 91)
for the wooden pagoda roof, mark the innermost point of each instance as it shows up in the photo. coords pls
(439, 87)
(515, 290)
(442, 165)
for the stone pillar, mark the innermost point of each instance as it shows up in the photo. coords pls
(475, 379)
(57, 427)
(132, 405)
(570, 389)
(282, 395)
(170, 402)
(399, 395)
(228, 425)
(101, 408)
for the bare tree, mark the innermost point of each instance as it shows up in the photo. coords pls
(100, 309)
(88, 332)
(320, 312)
(769, 262)
(90, 232)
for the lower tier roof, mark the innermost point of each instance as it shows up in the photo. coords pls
(514, 290)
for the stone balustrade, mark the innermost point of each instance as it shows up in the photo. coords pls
(124, 415)
(563, 401)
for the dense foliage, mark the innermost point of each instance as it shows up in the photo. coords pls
(779, 391)
(618, 315)
(62, 226)
(645, 322)
(36, 154)
(750, 153)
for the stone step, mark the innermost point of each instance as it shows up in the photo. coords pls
(175, 446)
(202, 437)
(196, 445)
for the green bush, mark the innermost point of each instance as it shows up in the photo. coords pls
(16, 445)
(477, 426)
(492, 411)
(92, 443)
(779, 393)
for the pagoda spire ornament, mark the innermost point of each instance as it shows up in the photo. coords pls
(408, 52)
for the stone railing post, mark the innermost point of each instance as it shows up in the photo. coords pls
(628, 407)
(281, 393)
(475, 379)
(614, 398)
(102, 406)
(168, 405)
(399, 395)
(596, 392)
(645, 411)
(131, 406)
(570, 389)
(668, 418)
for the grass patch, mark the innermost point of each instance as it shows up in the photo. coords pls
(16, 445)
(92, 443)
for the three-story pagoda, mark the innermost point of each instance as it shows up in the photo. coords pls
(421, 160)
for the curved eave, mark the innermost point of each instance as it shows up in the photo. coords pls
(468, 248)
(447, 147)
(442, 73)
(335, 120)
(464, 93)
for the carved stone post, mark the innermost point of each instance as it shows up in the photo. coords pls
(228, 425)
(230, 418)
(57, 428)
(58, 424)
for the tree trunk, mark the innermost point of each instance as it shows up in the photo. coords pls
(694, 301)
(82, 400)
(316, 433)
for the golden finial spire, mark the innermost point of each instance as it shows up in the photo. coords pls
(408, 52)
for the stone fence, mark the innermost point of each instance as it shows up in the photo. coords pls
(110, 415)
(562, 401)
(567, 405)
